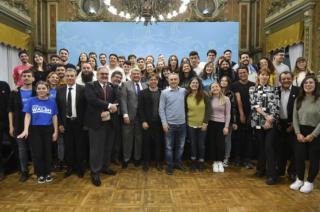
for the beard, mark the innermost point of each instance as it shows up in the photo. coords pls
(87, 76)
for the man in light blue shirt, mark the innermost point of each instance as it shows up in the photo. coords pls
(172, 114)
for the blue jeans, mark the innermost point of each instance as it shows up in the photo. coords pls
(175, 139)
(198, 139)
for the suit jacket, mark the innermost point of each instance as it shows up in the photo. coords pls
(146, 106)
(96, 103)
(129, 99)
(4, 99)
(61, 100)
(293, 94)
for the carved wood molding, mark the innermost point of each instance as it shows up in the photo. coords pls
(17, 11)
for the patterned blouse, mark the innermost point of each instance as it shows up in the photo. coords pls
(267, 98)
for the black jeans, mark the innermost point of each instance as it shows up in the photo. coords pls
(74, 145)
(266, 159)
(152, 143)
(302, 149)
(242, 147)
(216, 140)
(40, 138)
(284, 149)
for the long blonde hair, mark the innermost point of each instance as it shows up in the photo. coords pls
(221, 96)
(296, 70)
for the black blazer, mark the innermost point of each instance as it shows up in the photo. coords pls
(16, 106)
(61, 100)
(4, 98)
(146, 105)
(293, 94)
(96, 103)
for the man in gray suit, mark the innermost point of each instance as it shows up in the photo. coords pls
(131, 129)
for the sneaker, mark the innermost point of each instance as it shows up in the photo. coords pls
(49, 178)
(296, 185)
(24, 177)
(225, 163)
(169, 170)
(248, 165)
(220, 167)
(215, 167)
(307, 187)
(41, 180)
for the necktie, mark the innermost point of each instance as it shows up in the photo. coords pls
(137, 88)
(104, 88)
(69, 103)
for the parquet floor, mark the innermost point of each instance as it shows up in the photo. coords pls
(133, 190)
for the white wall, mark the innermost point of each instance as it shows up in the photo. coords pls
(8, 60)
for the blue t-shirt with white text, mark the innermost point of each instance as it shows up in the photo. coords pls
(25, 95)
(41, 110)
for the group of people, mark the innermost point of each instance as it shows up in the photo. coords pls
(139, 111)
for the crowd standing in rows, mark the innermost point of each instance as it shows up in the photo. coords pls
(141, 110)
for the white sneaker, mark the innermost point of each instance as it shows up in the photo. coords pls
(307, 187)
(225, 163)
(220, 167)
(215, 167)
(296, 185)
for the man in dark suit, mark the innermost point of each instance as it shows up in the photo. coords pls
(4, 99)
(71, 105)
(101, 105)
(131, 130)
(116, 78)
(288, 93)
(148, 108)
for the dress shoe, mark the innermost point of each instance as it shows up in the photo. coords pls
(193, 166)
(116, 162)
(68, 173)
(136, 163)
(24, 177)
(2, 176)
(95, 179)
(260, 174)
(159, 166)
(292, 177)
(180, 167)
(271, 181)
(80, 174)
(108, 171)
(125, 164)
(145, 167)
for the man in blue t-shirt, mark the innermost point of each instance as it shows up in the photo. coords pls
(18, 99)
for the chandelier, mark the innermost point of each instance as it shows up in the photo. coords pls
(148, 11)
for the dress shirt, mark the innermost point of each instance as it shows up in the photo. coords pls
(73, 100)
(285, 94)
